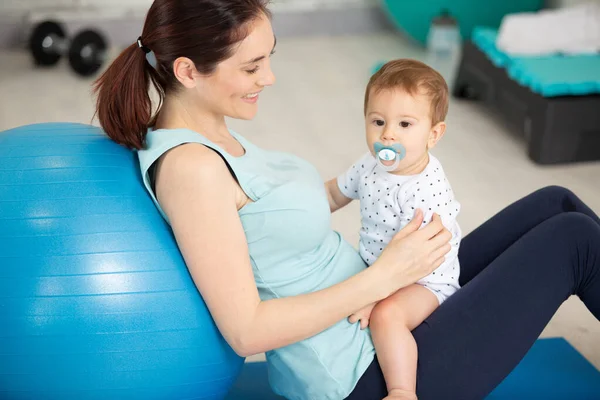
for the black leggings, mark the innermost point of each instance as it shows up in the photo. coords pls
(516, 271)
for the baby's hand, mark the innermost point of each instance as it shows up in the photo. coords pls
(363, 315)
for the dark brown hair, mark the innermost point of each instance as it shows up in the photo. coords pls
(205, 31)
(414, 77)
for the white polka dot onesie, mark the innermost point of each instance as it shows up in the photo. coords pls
(388, 202)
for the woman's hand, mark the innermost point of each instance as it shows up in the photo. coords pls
(413, 253)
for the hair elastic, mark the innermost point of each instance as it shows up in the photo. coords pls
(150, 57)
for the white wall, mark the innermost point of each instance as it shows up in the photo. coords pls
(18, 16)
(318, 4)
(25, 5)
(31, 5)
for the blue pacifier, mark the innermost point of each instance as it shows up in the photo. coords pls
(394, 152)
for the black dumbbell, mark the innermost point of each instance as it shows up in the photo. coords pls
(86, 52)
(48, 43)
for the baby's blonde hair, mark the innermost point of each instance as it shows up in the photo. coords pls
(414, 77)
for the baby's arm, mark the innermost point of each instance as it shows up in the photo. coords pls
(343, 189)
(363, 315)
(336, 199)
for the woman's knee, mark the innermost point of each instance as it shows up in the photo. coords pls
(576, 226)
(582, 236)
(561, 200)
(556, 192)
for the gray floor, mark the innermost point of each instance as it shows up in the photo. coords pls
(315, 111)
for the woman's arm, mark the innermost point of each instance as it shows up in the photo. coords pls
(198, 194)
(336, 199)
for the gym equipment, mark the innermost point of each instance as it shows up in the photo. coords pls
(47, 43)
(549, 76)
(552, 101)
(415, 17)
(86, 52)
(551, 370)
(96, 301)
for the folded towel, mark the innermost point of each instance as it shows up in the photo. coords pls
(571, 30)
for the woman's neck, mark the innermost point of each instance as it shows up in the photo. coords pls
(177, 113)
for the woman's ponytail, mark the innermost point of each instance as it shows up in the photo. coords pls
(123, 104)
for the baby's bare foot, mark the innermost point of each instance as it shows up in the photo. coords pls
(399, 394)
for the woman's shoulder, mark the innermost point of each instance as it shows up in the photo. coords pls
(194, 162)
(180, 149)
(192, 171)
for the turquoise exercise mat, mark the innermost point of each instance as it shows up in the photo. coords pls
(551, 370)
(549, 76)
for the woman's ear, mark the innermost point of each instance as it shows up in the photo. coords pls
(436, 133)
(185, 72)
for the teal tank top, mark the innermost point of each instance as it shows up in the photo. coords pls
(293, 250)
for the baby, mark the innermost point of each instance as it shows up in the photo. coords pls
(405, 105)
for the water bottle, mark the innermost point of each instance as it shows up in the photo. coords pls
(444, 45)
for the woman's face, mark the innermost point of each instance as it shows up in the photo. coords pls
(233, 89)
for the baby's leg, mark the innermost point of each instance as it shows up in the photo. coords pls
(392, 321)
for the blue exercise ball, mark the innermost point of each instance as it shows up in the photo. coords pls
(96, 301)
(414, 17)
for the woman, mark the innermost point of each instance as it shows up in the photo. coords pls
(254, 226)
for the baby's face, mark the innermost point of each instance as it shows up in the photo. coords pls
(395, 116)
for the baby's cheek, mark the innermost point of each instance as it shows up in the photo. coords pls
(413, 154)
